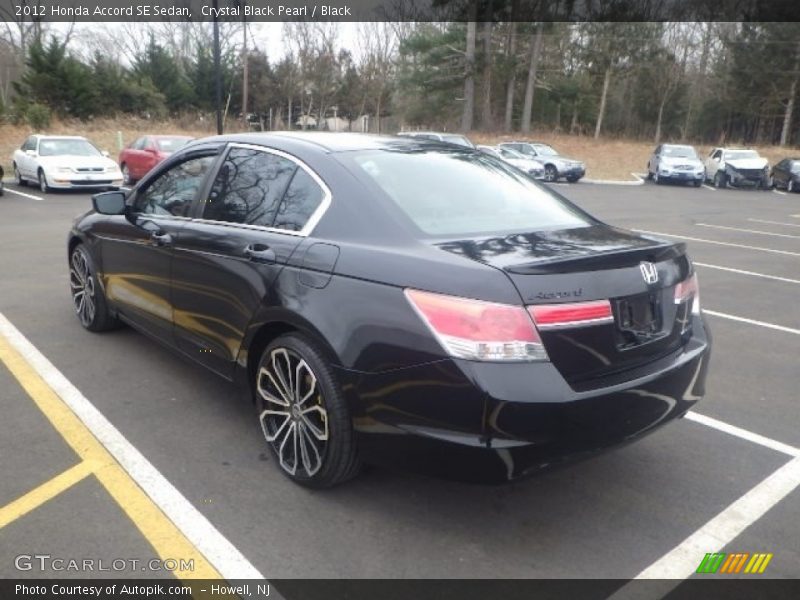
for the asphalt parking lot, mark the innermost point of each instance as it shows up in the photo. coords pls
(723, 480)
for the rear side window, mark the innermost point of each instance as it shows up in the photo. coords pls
(302, 198)
(249, 187)
(465, 193)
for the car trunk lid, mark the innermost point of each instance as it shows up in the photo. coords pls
(635, 276)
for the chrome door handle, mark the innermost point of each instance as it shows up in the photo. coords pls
(260, 253)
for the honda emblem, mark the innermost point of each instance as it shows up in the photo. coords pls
(649, 272)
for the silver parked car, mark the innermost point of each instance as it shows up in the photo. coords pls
(555, 165)
(450, 138)
(675, 162)
(530, 166)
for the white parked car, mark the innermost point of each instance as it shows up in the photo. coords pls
(673, 162)
(530, 166)
(64, 162)
(737, 166)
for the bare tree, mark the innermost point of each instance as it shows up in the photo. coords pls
(533, 65)
(469, 75)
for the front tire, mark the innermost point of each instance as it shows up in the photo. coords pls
(790, 186)
(18, 179)
(43, 187)
(303, 413)
(88, 298)
(720, 180)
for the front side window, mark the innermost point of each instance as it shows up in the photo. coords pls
(138, 144)
(249, 187)
(30, 144)
(465, 193)
(173, 192)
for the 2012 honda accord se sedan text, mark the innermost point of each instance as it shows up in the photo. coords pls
(397, 301)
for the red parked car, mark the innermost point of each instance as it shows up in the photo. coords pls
(146, 152)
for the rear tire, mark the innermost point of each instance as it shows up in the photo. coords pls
(698, 182)
(550, 174)
(88, 298)
(303, 413)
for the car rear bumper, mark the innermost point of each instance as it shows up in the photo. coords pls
(490, 422)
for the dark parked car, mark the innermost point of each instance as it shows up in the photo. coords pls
(786, 174)
(387, 300)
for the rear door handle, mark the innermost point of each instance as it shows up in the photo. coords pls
(161, 239)
(260, 253)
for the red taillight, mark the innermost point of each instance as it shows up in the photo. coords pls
(479, 330)
(689, 289)
(572, 314)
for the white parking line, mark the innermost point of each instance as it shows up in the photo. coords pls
(743, 272)
(31, 196)
(744, 434)
(774, 222)
(751, 321)
(708, 187)
(682, 561)
(756, 231)
(694, 239)
(778, 192)
(223, 555)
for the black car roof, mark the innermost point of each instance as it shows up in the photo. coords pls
(325, 141)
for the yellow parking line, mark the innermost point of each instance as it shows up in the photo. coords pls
(49, 489)
(167, 540)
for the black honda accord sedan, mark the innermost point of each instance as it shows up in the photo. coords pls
(389, 300)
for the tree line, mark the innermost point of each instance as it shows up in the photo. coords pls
(700, 81)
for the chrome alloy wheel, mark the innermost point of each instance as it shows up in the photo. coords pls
(294, 419)
(82, 285)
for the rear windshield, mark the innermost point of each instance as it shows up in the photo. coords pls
(171, 144)
(457, 139)
(465, 193)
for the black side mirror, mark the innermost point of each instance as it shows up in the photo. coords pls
(109, 203)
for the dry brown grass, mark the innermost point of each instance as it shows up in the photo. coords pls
(605, 158)
(616, 159)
